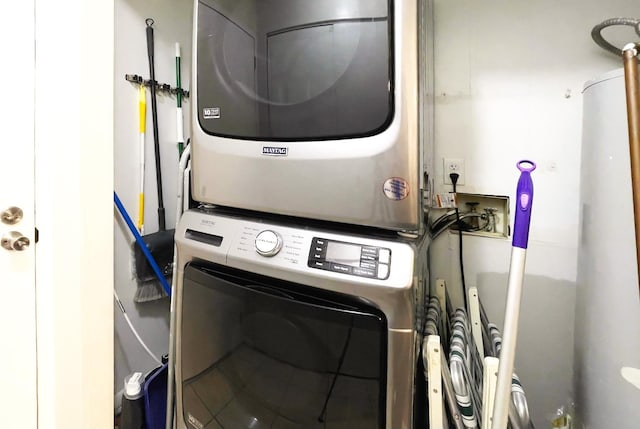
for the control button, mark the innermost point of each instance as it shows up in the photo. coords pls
(341, 268)
(363, 272)
(383, 271)
(315, 250)
(370, 251)
(319, 241)
(317, 255)
(320, 264)
(368, 265)
(364, 257)
(384, 256)
(268, 243)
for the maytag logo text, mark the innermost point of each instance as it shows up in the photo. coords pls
(274, 151)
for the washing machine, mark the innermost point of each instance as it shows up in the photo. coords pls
(282, 325)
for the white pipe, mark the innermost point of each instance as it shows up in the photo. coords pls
(179, 126)
(509, 339)
(184, 160)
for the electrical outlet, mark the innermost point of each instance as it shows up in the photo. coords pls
(453, 165)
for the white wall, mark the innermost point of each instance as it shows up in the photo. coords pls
(509, 76)
(173, 23)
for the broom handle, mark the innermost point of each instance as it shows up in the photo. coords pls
(629, 54)
(154, 117)
(179, 119)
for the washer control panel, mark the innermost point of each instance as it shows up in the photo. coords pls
(320, 258)
(349, 258)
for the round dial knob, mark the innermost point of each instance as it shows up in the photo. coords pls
(268, 243)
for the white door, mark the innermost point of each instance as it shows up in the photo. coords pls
(18, 403)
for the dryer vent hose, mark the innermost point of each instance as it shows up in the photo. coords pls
(596, 33)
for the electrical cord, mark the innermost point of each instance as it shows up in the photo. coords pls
(596, 32)
(446, 221)
(454, 180)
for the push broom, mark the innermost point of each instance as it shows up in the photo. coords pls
(160, 243)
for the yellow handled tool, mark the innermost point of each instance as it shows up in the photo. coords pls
(143, 121)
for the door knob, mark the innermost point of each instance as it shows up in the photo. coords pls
(13, 240)
(12, 215)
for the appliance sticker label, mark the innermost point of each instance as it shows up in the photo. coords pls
(211, 113)
(446, 201)
(194, 422)
(396, 188)
(275, 151)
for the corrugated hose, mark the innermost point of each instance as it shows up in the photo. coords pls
(596, 33)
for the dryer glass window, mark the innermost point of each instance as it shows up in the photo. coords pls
(285, 69)
(255, 353)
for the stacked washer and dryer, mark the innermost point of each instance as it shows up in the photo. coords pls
(302, 267)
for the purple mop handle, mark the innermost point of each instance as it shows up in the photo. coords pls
(524, 197)
(524, 200)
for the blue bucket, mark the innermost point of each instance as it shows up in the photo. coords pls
(155, 398)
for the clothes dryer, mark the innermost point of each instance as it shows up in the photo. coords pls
(314, 109)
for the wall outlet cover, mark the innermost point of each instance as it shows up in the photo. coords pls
(453, 165)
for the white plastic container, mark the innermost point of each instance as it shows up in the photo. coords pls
(132, 416)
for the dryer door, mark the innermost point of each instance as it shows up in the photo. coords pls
(255, 353)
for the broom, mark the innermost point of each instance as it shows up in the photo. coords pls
(160, 243)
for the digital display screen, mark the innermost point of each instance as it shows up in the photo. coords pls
(341, 253)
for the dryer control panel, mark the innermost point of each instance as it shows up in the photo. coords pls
(349, 258)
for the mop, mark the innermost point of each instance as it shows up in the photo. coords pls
(524, 200)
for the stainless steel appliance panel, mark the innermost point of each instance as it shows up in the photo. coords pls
(297, 319)
(360, 174)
